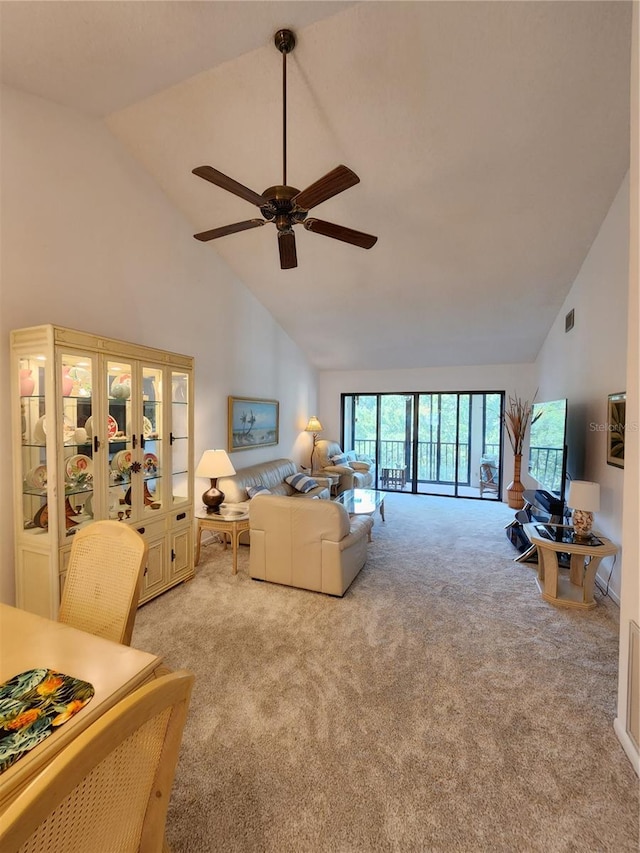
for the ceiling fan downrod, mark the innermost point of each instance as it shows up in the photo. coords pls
(285, 41)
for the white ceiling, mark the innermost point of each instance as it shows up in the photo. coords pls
(490, 139)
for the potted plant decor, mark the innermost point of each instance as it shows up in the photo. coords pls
(516, 420)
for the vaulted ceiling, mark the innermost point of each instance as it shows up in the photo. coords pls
(490, 139)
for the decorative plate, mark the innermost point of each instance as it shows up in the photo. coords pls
(78, 465)
(112, 426)
(68, 431)
(122, 461)
(82, 379)
(147, 427)
(40, 431)
(37, 477)
(89, 427)
(150, 463)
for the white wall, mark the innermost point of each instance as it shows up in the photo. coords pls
(630, 596)
(589, 362)
(515, 379)
(90, 242)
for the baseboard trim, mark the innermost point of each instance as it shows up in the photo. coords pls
(601, 584)
(627, 744)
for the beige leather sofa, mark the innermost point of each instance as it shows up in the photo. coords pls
(356, 473)
(307, 544)
(271, 474)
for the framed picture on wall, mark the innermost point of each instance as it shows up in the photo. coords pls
(616, 415)
(252, 423)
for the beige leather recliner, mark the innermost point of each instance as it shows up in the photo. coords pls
(356, 473)
(307, 544)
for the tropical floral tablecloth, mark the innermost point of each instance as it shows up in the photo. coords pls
(32, 705)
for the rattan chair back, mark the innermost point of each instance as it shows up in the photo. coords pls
(103, 580)
(108, 791)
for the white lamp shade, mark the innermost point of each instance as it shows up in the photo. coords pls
(314, 425)
(584, 495)
(214, 464)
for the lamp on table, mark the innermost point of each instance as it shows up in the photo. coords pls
(584, 500)
(214, 464)
(314, 426)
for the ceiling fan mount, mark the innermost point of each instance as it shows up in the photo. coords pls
(284, 205)
(285, 41)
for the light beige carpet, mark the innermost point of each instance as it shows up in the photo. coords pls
(441, 705)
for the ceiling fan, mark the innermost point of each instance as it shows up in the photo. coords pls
(283, 205)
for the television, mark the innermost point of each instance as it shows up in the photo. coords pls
(548, 452)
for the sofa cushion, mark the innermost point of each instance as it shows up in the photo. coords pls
(301, 483)
(340, 459)
(252, 491)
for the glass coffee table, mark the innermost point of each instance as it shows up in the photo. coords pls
(362, 501)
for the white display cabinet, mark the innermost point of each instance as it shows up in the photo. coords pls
(101, 429)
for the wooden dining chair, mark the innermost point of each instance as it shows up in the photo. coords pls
(103, 580)
(109, 789)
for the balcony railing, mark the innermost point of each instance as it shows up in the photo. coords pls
(436, 460)
(545, 465)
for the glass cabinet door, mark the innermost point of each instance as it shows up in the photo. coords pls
(179, 437)
(76, 389)
(116, 435)
(152, 439)
(35, 474)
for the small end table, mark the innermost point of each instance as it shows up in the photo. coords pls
(577, 589)
(231, 522)
(334, 479)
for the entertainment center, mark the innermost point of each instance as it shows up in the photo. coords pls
(548, 453)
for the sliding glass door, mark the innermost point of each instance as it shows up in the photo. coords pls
(429, 443)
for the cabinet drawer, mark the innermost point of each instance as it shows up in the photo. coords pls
(152, 530)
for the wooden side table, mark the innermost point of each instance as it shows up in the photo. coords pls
(333, 478)
(577, 589)
(231, 522)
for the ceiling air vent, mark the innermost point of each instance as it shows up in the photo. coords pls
(569, 321)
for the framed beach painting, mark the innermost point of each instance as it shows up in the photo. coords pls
(252, 423)
(616, 416)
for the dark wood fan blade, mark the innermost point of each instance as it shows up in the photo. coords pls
(204, 236)
(287, 247)
(339, 232)
(334, 182)
(226, 183)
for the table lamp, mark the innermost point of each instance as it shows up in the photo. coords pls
(214, 464)
(584, 500)
(315, 427)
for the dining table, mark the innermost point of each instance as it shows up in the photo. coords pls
(31, 642)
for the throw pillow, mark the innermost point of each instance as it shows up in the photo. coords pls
(301, 483)
(339, 459)
(252, 491)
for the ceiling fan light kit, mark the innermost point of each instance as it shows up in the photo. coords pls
(283, 205)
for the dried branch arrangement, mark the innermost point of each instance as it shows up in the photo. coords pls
(516, 420)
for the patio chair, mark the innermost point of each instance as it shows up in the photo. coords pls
(104, 579)
(109, 789)
(488, 476)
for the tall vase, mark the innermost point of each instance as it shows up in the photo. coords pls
(27, 383)
(515, 488)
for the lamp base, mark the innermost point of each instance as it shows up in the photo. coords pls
(582, 522)
(212, 499)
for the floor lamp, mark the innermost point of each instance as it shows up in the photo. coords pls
(314, 426)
